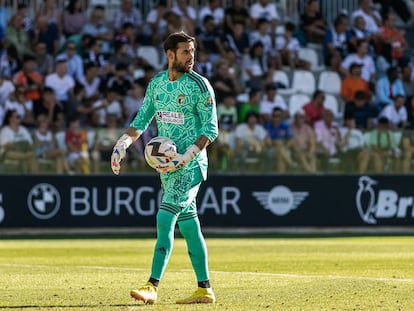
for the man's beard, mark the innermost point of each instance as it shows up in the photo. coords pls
(178, 67)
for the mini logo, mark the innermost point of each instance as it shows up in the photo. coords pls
(365, 199)
(43, 201)
(180, 99)
(280, 200)
(209, 101)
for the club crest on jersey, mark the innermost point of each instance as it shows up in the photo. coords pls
(180, 99)
(209, 101)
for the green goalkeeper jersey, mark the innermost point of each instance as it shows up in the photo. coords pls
(183, 109)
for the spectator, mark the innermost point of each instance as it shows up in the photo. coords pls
(399, 7)
(22, 106)
(16, 142)
(52, 13)
(214, 9)
(237, 40)
(371, 16)
(49, 106)
(362, 110)
(77, 105)
(176, 23)
(128, 14)
(237, 12)
(264, 9)
(335, 43)
(280, 140)
(270, 101)
(351, 146)
(251, 140)
(44, 61)
(91, 82)
(314, 109)
(252, 105)
(47, 33)
(156, 23)
(261, 33)
(97, 28)
(95, 55)
(16, 34)
(288, 47)
(256, 72)
(10, 62)
(31, 80)
(381, 148)
(328, 138)
(74, 17)
(149, 72)
(108, 105)
(45, 145)
(359, 31)
(120, 81)
(303, 143)
(353, 83)
(209, 38)
(361, 56)
(22, 10)
(76, 140)
(396, 113)
(60, 81)
(127, 37)
(6, 89)
(74, 60)
(186, 12)
(224, 82)
(312, 22)
(204, 64)
(388, 87)
(133, 101)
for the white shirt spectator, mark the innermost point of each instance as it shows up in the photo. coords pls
(368, 69)
(7, 135)
(292, 45)
(266, 39)
(268, 11)
(370, 24)
(395, 117)
(267, 106)
(244, 132)
(6, 88)
(20, 108)
(61, 85)
(91, 88)
(218, 15)
(356, 139)
(113, 108)
(152, 18)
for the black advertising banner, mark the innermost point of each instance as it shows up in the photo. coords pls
(224, 201)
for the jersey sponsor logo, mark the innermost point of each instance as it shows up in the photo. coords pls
(181, 99)
(170, 117)
(375, 204)
(280, 200)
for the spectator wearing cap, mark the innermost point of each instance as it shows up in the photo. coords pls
(396, 113)
(353, 83)
(74, 61)
(270, 101)
(60, 81)
(388, 87)
(363, 111)
(31, 80)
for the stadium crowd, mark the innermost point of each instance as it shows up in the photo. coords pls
(71, 81)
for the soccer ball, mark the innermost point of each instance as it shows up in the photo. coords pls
(159, 150)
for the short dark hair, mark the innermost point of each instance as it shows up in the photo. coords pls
(173, 39)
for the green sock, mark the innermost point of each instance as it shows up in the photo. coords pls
(191, 231)
(165, 241)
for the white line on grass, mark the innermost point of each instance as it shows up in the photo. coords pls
(266, 274)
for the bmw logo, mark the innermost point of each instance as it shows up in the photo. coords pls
(43, 201)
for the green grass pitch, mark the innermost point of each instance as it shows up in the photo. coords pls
(258, 273)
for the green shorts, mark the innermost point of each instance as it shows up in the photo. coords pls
(180, 189)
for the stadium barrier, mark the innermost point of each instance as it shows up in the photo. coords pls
(224, 201)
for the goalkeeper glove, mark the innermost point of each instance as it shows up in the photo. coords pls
(179, 160)
(119, 151)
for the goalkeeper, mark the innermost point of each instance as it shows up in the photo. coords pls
(183, 105)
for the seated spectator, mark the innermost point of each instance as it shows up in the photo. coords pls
(91, 81)
(96, 56)
(53, 14)
(48, 105)
(270, 101)
(44, 61)
(126, 13)
(212, 8)
(21, 105)
(262, 34)
(74, 61)
(396, 113)
(381, 148)
(16, 142)
(252, 105)
(393, 40)
(351, 145)
(204, 64)
(17, 35)
(223, 81)
(314, 109)
(6, 89)
(47, 33)
(280, 140)
(105, 139)
(303, 143)
(237, 40)
(388, 87)
(74, 17)
(236, 12)
(353, 83)
(108, 105)
(288, 47)
(156, 23)
(312, 22)
(28, 78)
(362, 110)
(10, 62)
(372, 17)
(358, 31)
(123, 54)
(335, 43)
(266, 9)
(176, 23)
(328, 138)
(61, 82)
(120, 80)
(251, 140)
(186, 12)
(209, 38)
(361, 56)
(97, 29)
(76, 140)
(46, 147)
(256, 72)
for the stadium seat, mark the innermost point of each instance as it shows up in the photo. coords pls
(296, 102)
(329, 82)
(303, 82)
(311, 56)
(332, 103)
(151, 55)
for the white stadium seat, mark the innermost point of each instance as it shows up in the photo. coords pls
(296, 102)
(330, 82)
(303, 82)
(332, 103)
